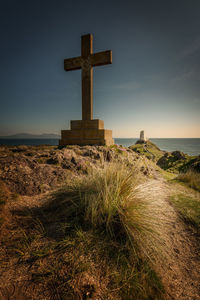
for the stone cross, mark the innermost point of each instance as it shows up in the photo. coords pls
(86, 62)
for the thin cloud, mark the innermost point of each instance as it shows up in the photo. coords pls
(191, 49)
(184, 76)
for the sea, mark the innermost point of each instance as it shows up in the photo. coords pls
(189, 146)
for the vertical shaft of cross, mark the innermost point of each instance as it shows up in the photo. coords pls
(87, 77)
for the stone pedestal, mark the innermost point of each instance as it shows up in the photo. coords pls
(86, 132)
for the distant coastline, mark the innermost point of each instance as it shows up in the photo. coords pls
(57, 136)
(31, 136)
(190, 146)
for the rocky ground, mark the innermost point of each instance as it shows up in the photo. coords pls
(31, 170)
(29, 174)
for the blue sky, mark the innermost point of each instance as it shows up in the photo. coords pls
(153, 83)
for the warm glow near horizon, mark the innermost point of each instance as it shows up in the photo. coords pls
(159, 132)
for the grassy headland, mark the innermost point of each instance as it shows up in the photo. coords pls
(84, 226)
(174, 162)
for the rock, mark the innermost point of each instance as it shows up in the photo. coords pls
(24, 176)
(73, 160)
(52, 161)
(97, 156)
(67, 164)
(178, 155)
(107, 155)
(193, 164)
(144, 170)
(163, 162)
(87, 153)
(196, 166)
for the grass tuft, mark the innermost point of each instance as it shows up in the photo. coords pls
(106, 215)
(108, 201)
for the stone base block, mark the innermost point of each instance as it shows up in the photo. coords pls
(95, 124)
(89, 132)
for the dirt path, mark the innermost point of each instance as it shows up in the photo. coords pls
(180, 270)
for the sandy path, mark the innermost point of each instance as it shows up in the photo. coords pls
(180, 270)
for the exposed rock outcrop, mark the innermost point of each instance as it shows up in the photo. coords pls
(30, 170)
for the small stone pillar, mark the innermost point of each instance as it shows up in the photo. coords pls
(142, 138)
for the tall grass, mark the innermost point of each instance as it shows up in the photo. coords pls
(108, 203)
(93, 239)
(108, 200)
(191, 178)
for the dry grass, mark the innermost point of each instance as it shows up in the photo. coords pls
(106, 210)
(94, 238)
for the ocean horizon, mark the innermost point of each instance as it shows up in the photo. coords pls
(189, 146)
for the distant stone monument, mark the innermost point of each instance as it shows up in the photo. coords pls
(142, 138)
(87, 131)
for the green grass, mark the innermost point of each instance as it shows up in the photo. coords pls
(169, 176)
(188, 208)
(150, 150)
(167, 161)
(191, 179)
(173, 164)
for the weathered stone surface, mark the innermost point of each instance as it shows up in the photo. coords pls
(87, 131)
(86, 136)
(39, 169)
(178, 155)
(92, 124)
(86, 62)
(27, 177)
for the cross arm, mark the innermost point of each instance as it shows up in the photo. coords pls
(101, 58)
(72, 63)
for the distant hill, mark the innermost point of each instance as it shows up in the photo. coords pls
(31, 136)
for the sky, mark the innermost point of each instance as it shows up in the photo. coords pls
(153, 83)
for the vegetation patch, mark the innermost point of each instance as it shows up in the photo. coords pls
(149, 149)
(173, 162)
(177, 161)
(89, 240)
(191, 179)
(188, 208)
(107, 220)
